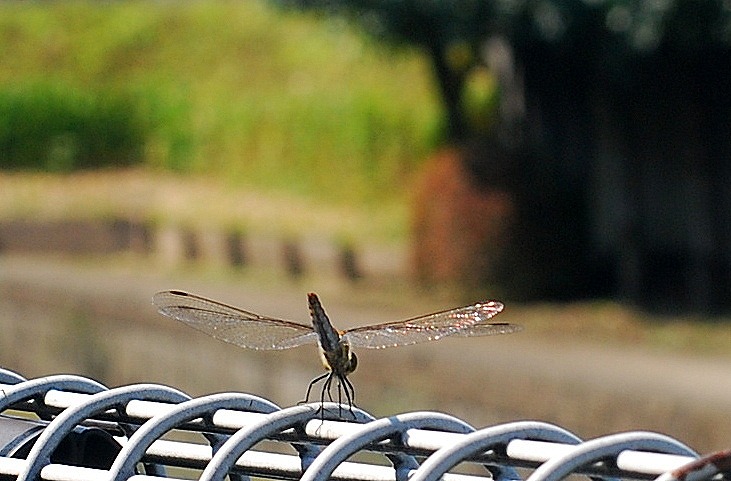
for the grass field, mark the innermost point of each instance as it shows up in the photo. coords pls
(240, 91)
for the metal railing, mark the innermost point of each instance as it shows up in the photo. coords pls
(72, 428)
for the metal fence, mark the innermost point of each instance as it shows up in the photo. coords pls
(72, 428)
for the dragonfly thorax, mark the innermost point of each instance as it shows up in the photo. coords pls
(341, 361)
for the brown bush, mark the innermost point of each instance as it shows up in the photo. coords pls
(460, 230)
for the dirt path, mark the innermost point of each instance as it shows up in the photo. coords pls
(589, 388)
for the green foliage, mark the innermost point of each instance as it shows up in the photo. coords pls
(424, 23)
(58, 128)
(50, 127)
(236, 90)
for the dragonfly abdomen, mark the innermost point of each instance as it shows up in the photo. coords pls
(328, 336)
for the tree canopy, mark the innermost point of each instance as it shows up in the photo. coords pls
(610, 35)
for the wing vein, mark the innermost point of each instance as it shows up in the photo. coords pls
(233, 325)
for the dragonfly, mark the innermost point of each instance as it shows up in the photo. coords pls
(253, 331)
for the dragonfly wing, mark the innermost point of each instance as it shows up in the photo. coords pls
(465, 321)
(489, 329)
(233, 325)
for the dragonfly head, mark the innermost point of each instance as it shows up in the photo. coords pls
(352, 362)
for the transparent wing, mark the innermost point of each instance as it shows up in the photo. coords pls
(463, 321)
(233, 325)
(489, 329)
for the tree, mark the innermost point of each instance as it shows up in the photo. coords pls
(451, 32)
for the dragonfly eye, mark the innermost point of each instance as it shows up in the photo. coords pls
(352, 362)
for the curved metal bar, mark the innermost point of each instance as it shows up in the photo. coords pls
(328, 410)
(444, 459)
(57, 429)
(321, 428)
(10, 377)
(393, 427)
(203, 407)
(328, 426)
(245, 438)
(607, 447)
(295, 417)
(36, 388)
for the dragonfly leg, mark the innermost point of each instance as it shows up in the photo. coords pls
(340, 397)
(349, 390)
(347, 386)
(326, 388)
(312, 383)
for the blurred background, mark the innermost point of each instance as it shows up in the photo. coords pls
(570, 158)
